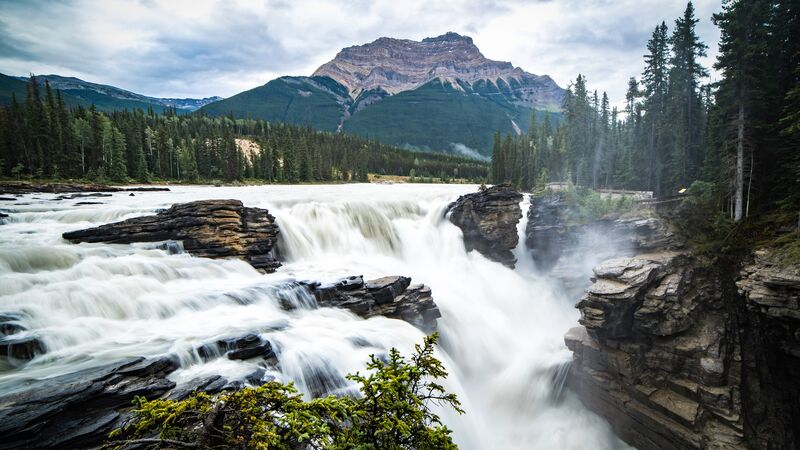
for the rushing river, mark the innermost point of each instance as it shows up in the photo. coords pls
(502, 330)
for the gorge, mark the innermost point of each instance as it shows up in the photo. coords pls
(662, 351)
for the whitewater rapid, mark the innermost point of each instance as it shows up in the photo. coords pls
(502, 330)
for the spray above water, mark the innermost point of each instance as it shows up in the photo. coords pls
(501, 329)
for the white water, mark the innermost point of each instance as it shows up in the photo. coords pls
(502, 330)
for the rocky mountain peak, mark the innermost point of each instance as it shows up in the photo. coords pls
(396, 65)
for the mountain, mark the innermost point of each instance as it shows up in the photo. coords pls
(104, 97)
(440, 93)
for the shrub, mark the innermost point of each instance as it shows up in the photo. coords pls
(391, 412)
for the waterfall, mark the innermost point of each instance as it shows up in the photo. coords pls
(501, 329)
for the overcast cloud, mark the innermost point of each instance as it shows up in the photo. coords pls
(199, 48)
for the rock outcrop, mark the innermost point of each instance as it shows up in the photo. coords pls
(78, 410)
(674, 358)
(207, 228)
(771, 355)
(552, 232)
(60, 188)
(488, 219)
(658, 353)
(394, 297)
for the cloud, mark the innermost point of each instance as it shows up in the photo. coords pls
(198, 48)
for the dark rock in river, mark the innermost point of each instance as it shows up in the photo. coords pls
(394, 297)
(58, 188)
(673, 357)
(78, 410)
(488, 219)
(23, 348)
(207, 228)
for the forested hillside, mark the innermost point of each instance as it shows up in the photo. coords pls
(737, 140)
(43, 138)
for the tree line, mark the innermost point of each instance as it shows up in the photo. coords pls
(43, 138)
(738, 135)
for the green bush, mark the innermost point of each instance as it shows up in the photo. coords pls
(392, 412)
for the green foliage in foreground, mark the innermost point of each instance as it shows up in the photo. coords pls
(392, 412)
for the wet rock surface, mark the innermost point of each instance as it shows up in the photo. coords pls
(771, 290)
(58, 188)
(488, 219)
(674, 357)
(552, 233)
(207, 228)
(78, 410)
(393, 297)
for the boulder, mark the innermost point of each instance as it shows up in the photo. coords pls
(489, 219)
(22, 348)
(394, 297)
(207, 228)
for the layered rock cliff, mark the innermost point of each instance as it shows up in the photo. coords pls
(206, 228)
(674, 357)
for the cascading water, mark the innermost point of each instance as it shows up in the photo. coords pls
(501, 329)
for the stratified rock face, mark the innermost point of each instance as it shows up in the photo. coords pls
(658, 354)
(552, 233)
(772, 351)
(394, 297)
(488, 219)
(674, 357)
(396, 65)
(207, 228)
(78, 410)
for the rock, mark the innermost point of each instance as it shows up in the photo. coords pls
(771, 290)
(392, 297)
(24, 348)
(10, 323)
(209, 385)
(673, 357)
(8, 199)
(207, 228)
(488, 219)
(58, 188)
(81, 195)
(78, 410)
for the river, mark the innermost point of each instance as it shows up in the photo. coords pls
(502, 330)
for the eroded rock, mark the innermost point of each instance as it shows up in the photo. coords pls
(673, 357)
(488, 219)
(78, 410)
(207, 228)
(394, 297)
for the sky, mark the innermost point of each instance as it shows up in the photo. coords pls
(200, 48)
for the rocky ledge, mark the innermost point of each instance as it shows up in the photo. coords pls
(60, 188)
(78, 410)
(394, 297)
(488, 219)
(207, 228)
(674, 358)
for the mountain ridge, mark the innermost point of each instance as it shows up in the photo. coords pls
(107, 97)
(440, 94)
